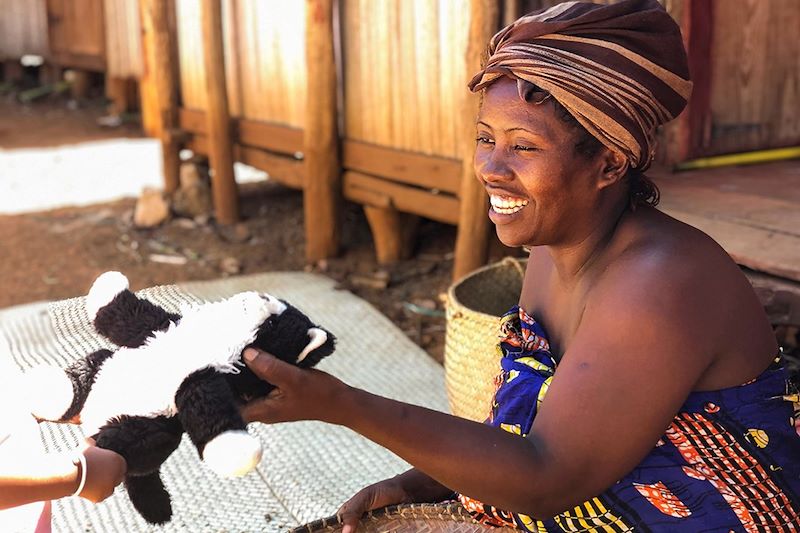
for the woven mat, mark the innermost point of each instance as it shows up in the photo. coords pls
(308, 469)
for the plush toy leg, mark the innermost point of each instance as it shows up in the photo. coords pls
(145, 443)
(58, 394)
(120, 315)
(149, 497)
(207, 408)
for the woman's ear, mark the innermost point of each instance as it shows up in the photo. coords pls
(615, 166)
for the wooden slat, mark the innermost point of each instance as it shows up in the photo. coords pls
(415, 169)
(756, 248)
(273, 137)
(378, 192)
(284, 170)
(289, 172)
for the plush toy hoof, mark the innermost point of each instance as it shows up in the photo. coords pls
(49, 392)
(103, 290)
(233, 453)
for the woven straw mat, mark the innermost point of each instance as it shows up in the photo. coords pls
(409, 518)
(471, 360)
(308, 469)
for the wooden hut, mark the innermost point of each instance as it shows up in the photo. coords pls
(401, 137)
(249, 90)
(409, 122)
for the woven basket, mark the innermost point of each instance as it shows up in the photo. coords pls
(471, 362)
(409, 518)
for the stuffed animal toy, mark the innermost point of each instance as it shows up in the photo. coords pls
(174, 373)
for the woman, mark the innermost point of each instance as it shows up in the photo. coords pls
(641, 322)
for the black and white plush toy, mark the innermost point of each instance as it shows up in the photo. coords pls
(174, 373)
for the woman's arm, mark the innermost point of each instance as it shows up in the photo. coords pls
(629, 367)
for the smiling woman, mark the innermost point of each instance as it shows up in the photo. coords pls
(641, 386)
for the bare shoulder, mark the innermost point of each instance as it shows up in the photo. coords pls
(670, 276)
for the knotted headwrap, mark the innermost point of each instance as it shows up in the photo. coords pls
(619, 69)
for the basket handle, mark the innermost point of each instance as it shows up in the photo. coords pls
(517, 264)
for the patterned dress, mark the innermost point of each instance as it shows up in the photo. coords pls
(729, 461)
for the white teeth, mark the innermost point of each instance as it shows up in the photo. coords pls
(506, 204)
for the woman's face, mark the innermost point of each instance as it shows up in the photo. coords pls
(541, 191)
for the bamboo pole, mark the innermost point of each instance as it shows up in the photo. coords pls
(159, 86)
(223, 182)
(321, 142)
(472, 241)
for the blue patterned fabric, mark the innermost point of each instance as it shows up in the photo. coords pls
(729, 461)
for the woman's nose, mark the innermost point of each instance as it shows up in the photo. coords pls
(491, 167)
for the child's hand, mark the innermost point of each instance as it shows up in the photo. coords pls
(104, 471)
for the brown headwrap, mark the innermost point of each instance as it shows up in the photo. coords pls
(619, 69)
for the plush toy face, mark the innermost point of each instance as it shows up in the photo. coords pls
(176, 373)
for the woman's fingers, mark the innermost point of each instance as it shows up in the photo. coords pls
(353, 509)
(268, 367)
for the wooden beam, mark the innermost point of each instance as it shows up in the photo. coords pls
(377, 192)
(472, 240)
(282, 169)
(119, 91)
(701, 25)
(321, 199)
(426, 171)
(393, 233)
(287, 171)
(220, 141)
(256, 133)
(159, 86)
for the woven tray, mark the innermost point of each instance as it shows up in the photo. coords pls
(409, 518)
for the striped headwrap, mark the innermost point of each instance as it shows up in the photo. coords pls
(619, 69)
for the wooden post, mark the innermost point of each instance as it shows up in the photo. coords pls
(220, 146)
(159, 86)
(322, 194)
(512, 10)
(118, 92)
(472, 240)
(392, 231)
(79, 82)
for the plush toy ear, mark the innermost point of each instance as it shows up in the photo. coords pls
(318, 337)
(321, 344)
(104, 289)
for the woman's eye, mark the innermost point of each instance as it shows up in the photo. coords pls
(521, 148)
(483, 140)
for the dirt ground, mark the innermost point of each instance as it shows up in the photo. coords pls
(57, 254)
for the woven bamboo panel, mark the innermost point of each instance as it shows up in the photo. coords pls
(264, 59)
(404, 72)
(23, 28)
(123, 38)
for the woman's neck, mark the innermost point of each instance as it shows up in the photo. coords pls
(575, 258)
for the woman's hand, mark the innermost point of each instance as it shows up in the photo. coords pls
(300, 394)
(375, 496)
(104, 471)
(412, 486)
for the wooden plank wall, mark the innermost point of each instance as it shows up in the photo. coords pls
(76, 33)
(123, 39)
(403, 71)
(755, 76)
(23, 28)
(264, 59)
